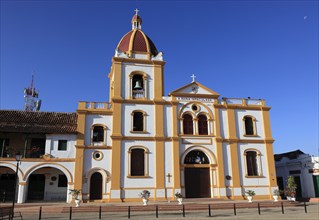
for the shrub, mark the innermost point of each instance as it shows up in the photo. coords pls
(250, 192)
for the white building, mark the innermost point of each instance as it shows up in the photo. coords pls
(190, 141)
(303, 167)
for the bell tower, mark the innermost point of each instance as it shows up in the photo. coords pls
(136, 95)
(137, 67)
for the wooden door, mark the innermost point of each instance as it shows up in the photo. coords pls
(316, 185)
(96, 186)
(7, 187)
(36, 187)
(197, 183)
(299, 189)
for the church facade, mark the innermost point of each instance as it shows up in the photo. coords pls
(191, 141)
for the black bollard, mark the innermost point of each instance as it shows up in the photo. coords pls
(40, 213)
(70, 216)
(209, 213)
(305, 207)
(258, 208)
(100, 212)
(156, 211)
(183, 211)
(129, 212)
(235, 209)
(282, 208)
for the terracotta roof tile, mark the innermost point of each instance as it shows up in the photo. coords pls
(37, 122)
(125, 42)
(139, 43)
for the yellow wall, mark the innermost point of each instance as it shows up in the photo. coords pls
(231, 122)
(269, 149)
(219, 152)
(79, 152)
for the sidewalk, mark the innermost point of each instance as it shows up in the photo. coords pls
(193, 210)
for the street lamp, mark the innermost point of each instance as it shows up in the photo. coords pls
(18, 159)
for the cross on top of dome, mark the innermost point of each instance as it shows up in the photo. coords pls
(136, 21)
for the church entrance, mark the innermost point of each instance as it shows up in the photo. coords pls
(96, 186)
(197, 183)
(197, 175)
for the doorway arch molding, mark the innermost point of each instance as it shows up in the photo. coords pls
(63, 169)
(13, 167)
(209, 154)
(106, 178)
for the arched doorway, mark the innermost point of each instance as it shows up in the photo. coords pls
(47, 184)
(7, 179)
(96, 186)
(197, 175)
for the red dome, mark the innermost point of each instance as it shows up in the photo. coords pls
(137, 41)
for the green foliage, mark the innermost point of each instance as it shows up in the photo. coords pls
(75, 193)
(277, 192)
(250, 192)
(145, 194)
(291, 187)
(178, 195)
(291, 182)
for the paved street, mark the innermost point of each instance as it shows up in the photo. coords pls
(220, 210)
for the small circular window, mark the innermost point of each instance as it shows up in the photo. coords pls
(195, 108)
(97, 155)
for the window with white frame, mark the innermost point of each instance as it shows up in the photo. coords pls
(253, 166)
(138, 162)
(138, 121)
(188, 124)
(62, 145)
(98, 134)
(249, 125)
(202, 125)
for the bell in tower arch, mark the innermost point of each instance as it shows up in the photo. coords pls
(138, 85)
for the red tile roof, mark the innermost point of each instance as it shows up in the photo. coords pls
(125, 42)
(37, 122)
(139, 43)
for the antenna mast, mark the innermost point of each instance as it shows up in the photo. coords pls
(31, 101)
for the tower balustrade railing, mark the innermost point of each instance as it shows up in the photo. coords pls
(243, 102)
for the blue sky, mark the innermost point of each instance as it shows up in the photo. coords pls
(262, 49)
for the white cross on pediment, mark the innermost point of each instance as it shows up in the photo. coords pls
(193, 76)
(136, 11)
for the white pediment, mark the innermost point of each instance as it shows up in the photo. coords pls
(194, 89)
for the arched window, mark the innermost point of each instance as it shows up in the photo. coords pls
(188, 124)
(137, 86)
(137, 162)
(196, 157)
(98, 134)
(252, 163)
(202, 125)
(138, 121)
(249, 125)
